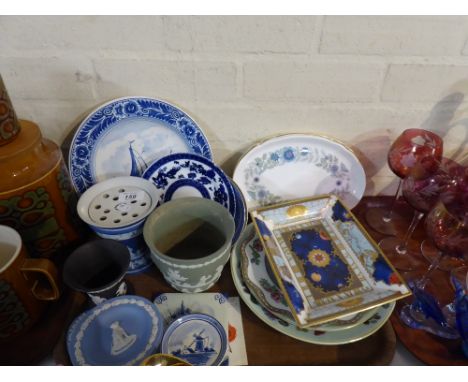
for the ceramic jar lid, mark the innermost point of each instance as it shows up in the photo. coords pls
(118, 202)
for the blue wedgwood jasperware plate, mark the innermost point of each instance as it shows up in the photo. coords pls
(121, 331)
(124, 135)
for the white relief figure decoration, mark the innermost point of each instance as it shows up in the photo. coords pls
(96, 299)
(176, 279)
(121, 341)
(122, 289)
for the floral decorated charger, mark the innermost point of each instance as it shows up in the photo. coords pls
(259, 278)
(296, 166)
(326, 264)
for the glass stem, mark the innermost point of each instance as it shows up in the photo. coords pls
(434, 265)
(402, 248)
(388, 216)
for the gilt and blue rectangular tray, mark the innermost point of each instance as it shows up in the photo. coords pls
(325, 262)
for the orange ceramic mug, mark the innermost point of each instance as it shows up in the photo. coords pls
(25, 285)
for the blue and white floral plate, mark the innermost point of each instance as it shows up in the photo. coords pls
(121, 331)
(188, 175)
(196, 338)
(124, 135)
(310, 335)
(260, 280)
(296, 166)
(325, 263)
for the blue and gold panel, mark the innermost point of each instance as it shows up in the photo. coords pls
(325, 268)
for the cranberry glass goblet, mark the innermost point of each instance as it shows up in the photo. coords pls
(447, 226)
(417, 152)
(422, 194)
(454, 199)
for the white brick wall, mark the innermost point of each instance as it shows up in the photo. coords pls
(360, 79)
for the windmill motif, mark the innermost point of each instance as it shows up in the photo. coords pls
(199, 342)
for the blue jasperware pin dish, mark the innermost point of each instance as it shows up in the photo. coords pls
(121, 331)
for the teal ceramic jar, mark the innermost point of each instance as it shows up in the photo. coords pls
(190, 242)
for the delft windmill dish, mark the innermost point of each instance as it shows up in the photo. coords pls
(121, 331)
(124, 135)
(325, 263)
(188, 175)
(310, 335)
(198, 339)
(259, 278)
(296, 166)
(176, 305)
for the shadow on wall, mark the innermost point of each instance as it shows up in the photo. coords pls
(371, 148)
(443, 118)
(447, 115)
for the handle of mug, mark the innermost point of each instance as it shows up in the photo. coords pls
(43, 270)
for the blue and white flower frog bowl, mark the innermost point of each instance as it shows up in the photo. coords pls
(117, 209)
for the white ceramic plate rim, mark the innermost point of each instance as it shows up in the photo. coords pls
(257, 149)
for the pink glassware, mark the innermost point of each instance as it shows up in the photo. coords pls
(417, 152)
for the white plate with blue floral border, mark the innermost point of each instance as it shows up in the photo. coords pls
(310, 335)
(189, 175)
(124, 135)
(296, 166)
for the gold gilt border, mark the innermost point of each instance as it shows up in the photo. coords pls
(345, 312)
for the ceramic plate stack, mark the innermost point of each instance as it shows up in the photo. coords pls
(259, 290)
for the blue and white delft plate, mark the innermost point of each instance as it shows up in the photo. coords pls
(296, 166)
(310, 335)
(123, 136)
(121, 331)
(190, 175)
(196, 338)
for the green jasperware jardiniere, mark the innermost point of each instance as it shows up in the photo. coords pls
(190, 242)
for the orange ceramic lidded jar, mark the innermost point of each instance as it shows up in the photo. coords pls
(36, 195)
